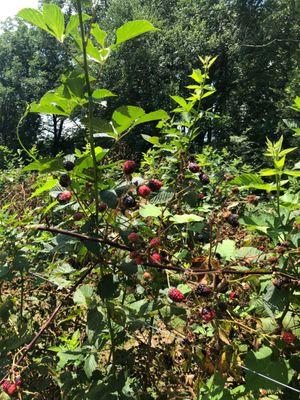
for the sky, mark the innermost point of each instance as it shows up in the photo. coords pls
(9, 8)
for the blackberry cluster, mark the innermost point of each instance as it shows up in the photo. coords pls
(128, 201)
(203, 290)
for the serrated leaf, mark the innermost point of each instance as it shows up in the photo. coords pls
(109, 197)
(90, 365)
(102, 94)
(186, 218)
(107, 287)
(55, 20)
(150, 210)
(227, 249)
(74, 22)
(34, 17)
(164, 196)
(152, 116)
(47, 186)
(99, 34)
(133, 29)
(83, 295)
(151, 139)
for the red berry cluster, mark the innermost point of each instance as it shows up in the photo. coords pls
(65, 196)
(155, 257)
(11, 387)
(208, 314)
(133, 237)
(176, 295)
(155, 242)
(129, 167)
(288, 337)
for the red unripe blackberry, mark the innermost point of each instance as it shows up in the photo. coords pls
(5, 385)
(155, 185)
(201, 196)
(261, 248)
(233, 295)
(129, 167)
(203, 290)
(136, 257)
(176, 295)
(208, 314)
(155, 257)
(155, 242)
(139, 260)
(193, 167)
(233, 220)
(133, 237)
(12, 389)
(204, 178)
(78, 216)
(65, 196)
(288, 337)
(64, 180)
(144, 191)
(128, 201)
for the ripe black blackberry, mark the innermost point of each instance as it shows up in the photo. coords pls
(128, 201)
(222, 306)
(64, 180)
(203, 290)
(185, 342)
(233, 220)
(204, 178)
(68, 165)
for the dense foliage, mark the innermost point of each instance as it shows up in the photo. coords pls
(171, 274)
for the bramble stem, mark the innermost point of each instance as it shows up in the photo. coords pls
(90, 108)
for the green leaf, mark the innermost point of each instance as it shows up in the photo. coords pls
(151, 139)
(99, 34)
(227, 249)
(179, 100)
(185, 289)
(102, 94)
(264, 362)
(247, 179)
(55, 20)
(93, 52)
(47, 186)
(247, 252)
(74, 23)
(53, 103)
(163, 196)
(133, 29)
(34, 17)
(262, 353)
(44, 165)
(186, 218)
(107, 287)
(90, 365)
(149, 210)
(152, 116)
(268, 172)
(291, 172)
(83, 295)
(110, 198)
